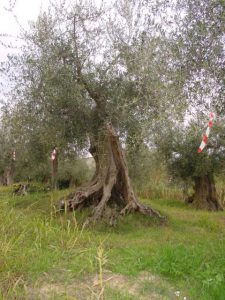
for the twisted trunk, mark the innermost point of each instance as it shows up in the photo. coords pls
(205, 195)
(110, 191)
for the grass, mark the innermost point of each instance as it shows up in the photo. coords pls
(37, 246)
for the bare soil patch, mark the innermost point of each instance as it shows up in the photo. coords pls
(144, 286)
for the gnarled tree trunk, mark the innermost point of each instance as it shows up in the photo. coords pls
(110, 189)
(205, 196)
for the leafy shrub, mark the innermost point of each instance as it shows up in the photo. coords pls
(75, 173)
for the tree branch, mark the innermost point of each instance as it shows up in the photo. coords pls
(96, 96)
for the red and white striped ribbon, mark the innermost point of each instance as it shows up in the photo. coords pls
(206, 134)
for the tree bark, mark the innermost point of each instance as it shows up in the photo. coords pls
(110, 189)
(54, 168)
(8, 174)
(205, 195)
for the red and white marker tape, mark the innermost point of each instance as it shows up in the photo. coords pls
(206, 135)
(53, 156)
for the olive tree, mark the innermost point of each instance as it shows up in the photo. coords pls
(199, 48)
(180, 148)
(86, 75)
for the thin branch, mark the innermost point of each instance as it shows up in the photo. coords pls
(96, 96)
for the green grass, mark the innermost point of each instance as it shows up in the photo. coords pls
(118, 295)
(37, 245)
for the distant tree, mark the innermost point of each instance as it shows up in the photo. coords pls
(7, 154)
(179, 144)
(199, 48)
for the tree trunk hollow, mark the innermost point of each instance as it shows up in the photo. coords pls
(205, 195)
(110, 191)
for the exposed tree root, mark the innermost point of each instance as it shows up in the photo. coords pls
(110, 188)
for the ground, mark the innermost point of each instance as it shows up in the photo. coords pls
(145, 286)
(46, 255)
